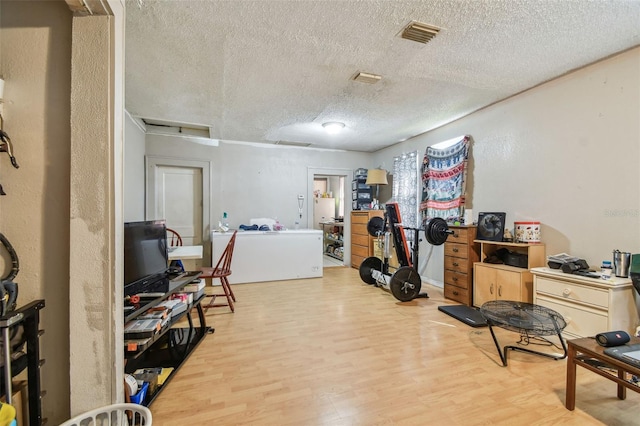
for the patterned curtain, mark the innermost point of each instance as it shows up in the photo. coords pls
(444, 171)
(405, 188)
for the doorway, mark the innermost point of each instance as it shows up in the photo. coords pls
(328, 191)
(178, 191)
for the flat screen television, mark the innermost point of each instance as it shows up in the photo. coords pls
(145, 256)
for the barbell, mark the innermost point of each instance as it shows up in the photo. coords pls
(436, 229)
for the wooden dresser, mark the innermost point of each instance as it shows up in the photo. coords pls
(588, 305)
(460, 252)
(361, 241)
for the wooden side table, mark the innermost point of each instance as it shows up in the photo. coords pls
(586, 353)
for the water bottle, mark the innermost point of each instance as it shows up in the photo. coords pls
(224, 223)
(606, 269)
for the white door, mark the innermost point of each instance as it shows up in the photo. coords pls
(179, 192)
(179, 201)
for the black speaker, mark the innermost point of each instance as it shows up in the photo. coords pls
(612, 338)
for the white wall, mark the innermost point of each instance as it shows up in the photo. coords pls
(134, 179)
(566, 153)
(252, 180)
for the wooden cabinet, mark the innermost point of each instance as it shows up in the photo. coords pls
(588, 305)
(503, 282)
(361, 241)
(460, 253)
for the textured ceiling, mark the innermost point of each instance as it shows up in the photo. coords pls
(269, 71)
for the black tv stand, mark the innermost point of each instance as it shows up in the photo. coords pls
(172, 345)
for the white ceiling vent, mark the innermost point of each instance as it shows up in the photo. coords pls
(195, 132)
(289, 143)
(365, 77)
(417, 31)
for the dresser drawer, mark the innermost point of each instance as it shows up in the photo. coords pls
(581, 321)
(572, 292)
(359, 218)
(360, 251)
(356, 261)
(360, 240)
(456, 293)
(460, 235)
(456, 250)
(457, 279)
(359, 229)
(456, 264)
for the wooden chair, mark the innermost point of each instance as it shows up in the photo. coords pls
(173, 238)
(222, 271)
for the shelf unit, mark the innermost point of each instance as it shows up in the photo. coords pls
(28, 317)
(170, 346)
(361, 193)
(333, 239)
(503, 282)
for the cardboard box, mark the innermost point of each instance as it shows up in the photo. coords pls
(20, 401)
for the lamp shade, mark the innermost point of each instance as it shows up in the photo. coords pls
(376, 177)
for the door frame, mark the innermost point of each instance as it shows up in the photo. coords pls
(348, 177)
(206, 168)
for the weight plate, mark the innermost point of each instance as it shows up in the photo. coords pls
(405, 284)
(367, 267)
(375, 226)
(436, 231)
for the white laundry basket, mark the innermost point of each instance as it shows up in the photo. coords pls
(123, 414)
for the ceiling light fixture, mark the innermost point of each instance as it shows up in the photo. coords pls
(333, 127)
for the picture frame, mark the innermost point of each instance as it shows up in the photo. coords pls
(491, 226)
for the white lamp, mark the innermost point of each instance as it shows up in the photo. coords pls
(377, 177)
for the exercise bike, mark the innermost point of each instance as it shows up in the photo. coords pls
(405, 282)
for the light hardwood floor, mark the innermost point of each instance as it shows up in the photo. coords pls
(335, 351)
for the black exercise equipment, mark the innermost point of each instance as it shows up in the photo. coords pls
(466, 314)
(404, 283)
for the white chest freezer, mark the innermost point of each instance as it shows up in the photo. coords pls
(271, 255)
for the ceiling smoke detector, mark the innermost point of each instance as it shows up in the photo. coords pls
(365, 77)
(420, 32)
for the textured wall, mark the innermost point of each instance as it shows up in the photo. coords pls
(34, 215)
(91, 329)
(565, 153)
